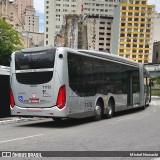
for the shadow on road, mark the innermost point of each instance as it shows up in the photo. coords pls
(65, 123)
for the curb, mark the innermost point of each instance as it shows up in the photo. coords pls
(17, 120)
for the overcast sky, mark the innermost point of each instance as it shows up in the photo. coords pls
(39, 5)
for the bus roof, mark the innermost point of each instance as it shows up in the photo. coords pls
(110, 57)
(88, 52)
(37, 49)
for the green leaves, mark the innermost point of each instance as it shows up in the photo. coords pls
(9, 41)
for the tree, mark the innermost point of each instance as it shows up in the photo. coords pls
(158, 79)
(9, 41)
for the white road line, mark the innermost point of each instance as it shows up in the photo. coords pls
(155, 104)
(125, 119)
(20, 138)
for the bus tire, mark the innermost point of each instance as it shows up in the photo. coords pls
(98, 112)
(57, 119)
(110, 107)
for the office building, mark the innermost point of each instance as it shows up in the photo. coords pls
(132, 30)
(56, 10)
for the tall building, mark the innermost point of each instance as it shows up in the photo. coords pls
(97, 7)
(132, 30)
(55, 11)
(8, 11)
(21, 7)
(156, 33)
(99, 32)
(31, 21)
(54, 17)
(156, 52)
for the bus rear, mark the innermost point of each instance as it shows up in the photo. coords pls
(37, 88)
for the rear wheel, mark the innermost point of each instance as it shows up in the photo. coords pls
(98, 112)
(110, 110)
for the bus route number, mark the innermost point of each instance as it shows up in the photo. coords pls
(88, 104)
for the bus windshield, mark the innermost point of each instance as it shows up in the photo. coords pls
(35, 60)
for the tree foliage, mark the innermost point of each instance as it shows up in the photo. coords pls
(9, 41)
(156, 79)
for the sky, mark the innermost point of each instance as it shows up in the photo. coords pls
(39, 6)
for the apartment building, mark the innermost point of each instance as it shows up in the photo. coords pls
(55, 11)
(99, 32)
(156, 52)
(31, 21)
(54, 17)
(132, 30)
(21, 7)
(97, 7)
(8, 11)
(156, 33)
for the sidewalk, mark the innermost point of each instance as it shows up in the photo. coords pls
(17, 119)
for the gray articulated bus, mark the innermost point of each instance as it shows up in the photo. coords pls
(62, 82)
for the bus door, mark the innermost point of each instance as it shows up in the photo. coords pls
(129, 90)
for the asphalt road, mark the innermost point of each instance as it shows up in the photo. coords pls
(136, 130)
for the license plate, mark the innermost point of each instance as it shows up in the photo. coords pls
(34, 100)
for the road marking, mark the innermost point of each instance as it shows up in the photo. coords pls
(155, 104)
(125, 119)
(20, 138)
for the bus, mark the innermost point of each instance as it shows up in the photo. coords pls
(59, 82)
(4, 92)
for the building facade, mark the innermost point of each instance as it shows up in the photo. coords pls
(31, 21)
(132, 30)
(156, 52)
(54, 17)
(21, 7)
(156, 33)
(96, 7)
(8, 11)
(56, 10)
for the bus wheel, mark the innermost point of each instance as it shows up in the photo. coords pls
(110, 109)
(57, 119)
(98, 112)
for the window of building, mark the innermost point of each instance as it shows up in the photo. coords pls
(128, 45)
(136, 8)
(130, 13)
(143, 2)
(129, 19)
(101, 33)
(102, 22)
(147, 46)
